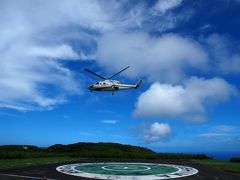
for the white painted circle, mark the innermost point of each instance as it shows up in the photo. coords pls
(181, 171)
(126, 168)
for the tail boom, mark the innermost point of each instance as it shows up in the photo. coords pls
(138, 83)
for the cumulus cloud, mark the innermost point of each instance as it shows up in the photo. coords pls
(31, 76)
(187, 101)
(35, 36)
(165, 5)
(158, 58)
(156, 132)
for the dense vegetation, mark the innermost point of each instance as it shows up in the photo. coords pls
(104, 150)
(90, 151)
(20, 151)
(235, 159)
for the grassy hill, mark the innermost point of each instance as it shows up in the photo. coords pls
(104, 150)
(90, 151)
(83, 150)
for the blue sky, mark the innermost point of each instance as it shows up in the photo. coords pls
(187, 52)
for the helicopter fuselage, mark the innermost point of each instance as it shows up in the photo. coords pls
(110, 85)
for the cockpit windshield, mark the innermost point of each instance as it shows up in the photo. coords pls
(97, 83)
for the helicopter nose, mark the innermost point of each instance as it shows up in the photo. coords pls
(90, 87)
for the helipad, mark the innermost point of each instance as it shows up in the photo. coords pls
(136, 171)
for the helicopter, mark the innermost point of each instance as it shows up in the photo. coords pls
(111, 85)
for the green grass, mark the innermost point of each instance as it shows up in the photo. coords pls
(223, 165)
(8, 163)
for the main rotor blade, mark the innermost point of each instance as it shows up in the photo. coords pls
(118, 72)
(94, 74)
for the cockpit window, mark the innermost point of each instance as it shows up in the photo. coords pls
(97, 83)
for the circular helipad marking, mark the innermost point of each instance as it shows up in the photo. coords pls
(127, 171)
(126, 168)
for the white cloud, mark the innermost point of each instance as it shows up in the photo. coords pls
(109, 121)
(211, 135)
(223, 134)
(224, 128)
(187, 101)
(205, 27)
(34, 35)
(156, 132)
(24, 82)
(158, 58)
(226, 61)
(57, 52)
(32, 40)
(165, 5)
(89, 14)
(218, 138)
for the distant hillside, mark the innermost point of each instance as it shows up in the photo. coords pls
(104, 150)
(90, 151)
(18, 148)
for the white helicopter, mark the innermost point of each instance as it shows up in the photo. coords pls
(111, 85)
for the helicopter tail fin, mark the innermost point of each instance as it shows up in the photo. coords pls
(138, 83)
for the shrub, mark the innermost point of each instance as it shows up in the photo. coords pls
(235, 159)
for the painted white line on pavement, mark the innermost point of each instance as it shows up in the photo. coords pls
(31, 177)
